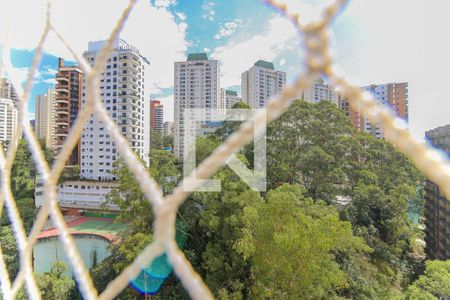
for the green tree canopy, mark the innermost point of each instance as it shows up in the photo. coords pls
(9, 250)
(314, 145)
(294, 244)
(54, 285)
(135, 208)
(433, 284)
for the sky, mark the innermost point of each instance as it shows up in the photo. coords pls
(373, 41)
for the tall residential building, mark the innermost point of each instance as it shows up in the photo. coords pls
(124, 89)
(156, 115)
(8, 91)
(168, 128)
(45, 117)
(8, 119)
(320, 91)
(228, 98)
(68, 101)
(395, 95)
(437, 207)
(197, 85)
(260, 83)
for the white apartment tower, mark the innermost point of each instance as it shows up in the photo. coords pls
(228, 98)
(45, 115)
(260, 83)
(124, 90)
(8, 119)
(320, 91)
(8, 91)
(197, 85)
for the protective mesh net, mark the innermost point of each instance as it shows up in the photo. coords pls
(318, 61)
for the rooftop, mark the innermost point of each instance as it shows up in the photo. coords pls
(264, 64)
(197, 56)
(232, 93)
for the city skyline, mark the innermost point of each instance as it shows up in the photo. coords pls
(361, 51)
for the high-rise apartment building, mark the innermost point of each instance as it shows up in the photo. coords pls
(45, 117)
(437, 207)
(318, 91)
(395, 95)
(68, 101)
(168, 128)
(228, 98)
(156, 115)
(260, 83)
(8, 91)
(8, 119)
(124, 89)
(197, 85)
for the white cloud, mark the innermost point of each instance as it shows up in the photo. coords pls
(17, 76)
(50, 72)
(228, 29)
(152, 29)
(208, 10)
(164, 3)
(236, 57)
(181, 15)
(206, 50)
(49, 81)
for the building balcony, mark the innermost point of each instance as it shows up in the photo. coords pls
(62, 88)
(62, 78)
(131, 66)
(61, 122)
(131, 56)
(129, 89)
(62, 131)
(62, 103)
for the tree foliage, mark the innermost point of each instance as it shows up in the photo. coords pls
(221, 226)
(294, 244)
(315, 146)
(433, 284)
(229, 127)
(9, 250)
(135, 208)
(296, 241)
(54, 285)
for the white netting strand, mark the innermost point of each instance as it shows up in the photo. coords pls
(318, 61)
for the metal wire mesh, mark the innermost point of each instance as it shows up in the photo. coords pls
(318, 61)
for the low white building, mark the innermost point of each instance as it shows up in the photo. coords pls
(78, 194)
